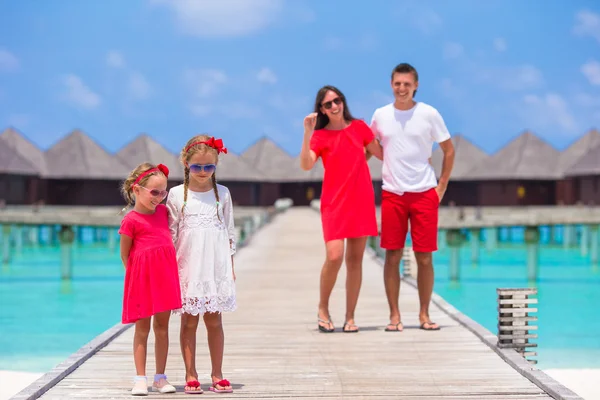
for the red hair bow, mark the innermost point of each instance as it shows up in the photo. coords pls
(163, 168)
(216, 144)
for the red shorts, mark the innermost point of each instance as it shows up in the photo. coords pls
(421, 209)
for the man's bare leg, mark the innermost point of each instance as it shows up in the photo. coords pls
(425, 286)
(391, 280)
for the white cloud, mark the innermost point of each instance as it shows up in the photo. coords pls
(205, 82)
(548, 111)
(453, 50)
(591, 70)
(8, 61)
(78, 94)
(266, 75)
(587, 23)
(223, 18)
(426, 21)
(500, 44)
(522, 77)
(115, 59)
(138, 86)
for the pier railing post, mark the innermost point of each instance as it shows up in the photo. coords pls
(6, 246)
(532, 238)
(409, 262)
(66, 237)
(514, 317)
(455, 239)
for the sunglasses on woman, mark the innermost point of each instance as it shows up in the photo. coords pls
(328, 104)
(197, 168)
(155, 192)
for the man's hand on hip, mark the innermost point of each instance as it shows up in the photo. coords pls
(440, 189)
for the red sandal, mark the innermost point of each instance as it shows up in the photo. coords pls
(193, 384)
(222, 383)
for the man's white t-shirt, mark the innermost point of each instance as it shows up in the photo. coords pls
(407, 137)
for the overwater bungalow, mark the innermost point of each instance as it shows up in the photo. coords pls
(524, 172)
(273, 162)
(18, 175)
(80, 172)
(145, 149)
(567, 188)
(586, 177)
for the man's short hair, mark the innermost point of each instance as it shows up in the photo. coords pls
(405, 68)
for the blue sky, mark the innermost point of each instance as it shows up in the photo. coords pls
(243, 69)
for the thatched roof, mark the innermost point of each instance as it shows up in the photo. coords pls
(294, 173)
(25, 148)
(467, 156)
(266, 156)
(146, 149)
(12, 162)
(233, 168)
(76, 156)
(589, 164)
(525, 157)
(572, 154)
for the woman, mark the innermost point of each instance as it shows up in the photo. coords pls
(347, 200)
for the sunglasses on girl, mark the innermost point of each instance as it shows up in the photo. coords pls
(197, 168)
(156, 192)
(328, 104)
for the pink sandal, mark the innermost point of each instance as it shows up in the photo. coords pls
(194, 384)
(222, 383)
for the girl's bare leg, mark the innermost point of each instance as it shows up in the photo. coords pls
(216, 345)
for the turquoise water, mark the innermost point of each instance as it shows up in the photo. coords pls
(568, 296)
(42, 319)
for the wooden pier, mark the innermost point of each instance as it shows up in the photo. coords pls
(273, 349)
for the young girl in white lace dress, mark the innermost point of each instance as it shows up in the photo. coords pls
(202, 226)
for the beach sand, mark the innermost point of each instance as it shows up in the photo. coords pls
(584, 382)
(12, 382)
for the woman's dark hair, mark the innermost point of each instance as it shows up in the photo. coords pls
(322, 119)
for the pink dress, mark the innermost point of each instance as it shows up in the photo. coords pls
(151, 277)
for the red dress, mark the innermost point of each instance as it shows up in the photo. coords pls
(347, 197)
(152, 276)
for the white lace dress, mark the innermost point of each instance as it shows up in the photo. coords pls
(205, 244)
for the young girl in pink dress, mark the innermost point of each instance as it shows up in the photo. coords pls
(151, 277)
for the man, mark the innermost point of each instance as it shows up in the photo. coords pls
(407, 130)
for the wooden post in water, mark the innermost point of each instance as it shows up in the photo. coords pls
(442, 239)
(568, 236)
(6, 256)
(585, 240)
(514, 320)
(454, 239)
(594, 244)
(475, 244)
(491, 238)
(532, 237)
(112, 239)
(18, 233)
(66, 237)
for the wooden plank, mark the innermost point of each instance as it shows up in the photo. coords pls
(273, 349)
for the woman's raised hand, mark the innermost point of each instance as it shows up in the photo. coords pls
(310, 121)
